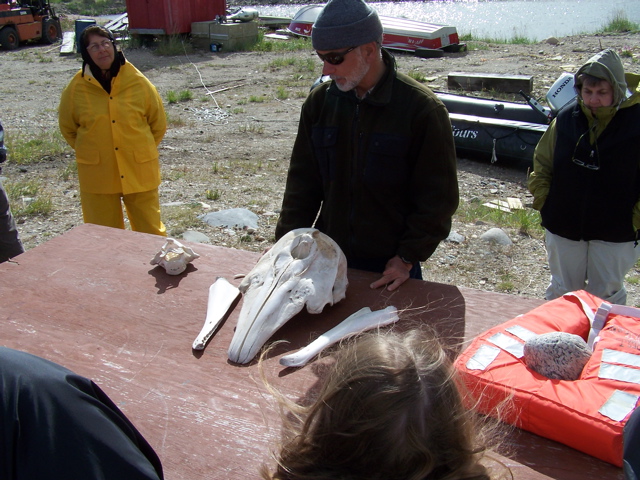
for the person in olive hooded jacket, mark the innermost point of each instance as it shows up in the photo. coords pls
(586, 182)
(114, 119)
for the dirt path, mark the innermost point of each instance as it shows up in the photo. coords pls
(229, 145)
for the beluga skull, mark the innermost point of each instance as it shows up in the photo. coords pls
(305, 267)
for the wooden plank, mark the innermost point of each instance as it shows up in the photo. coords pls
(490, 81)
(68, 43)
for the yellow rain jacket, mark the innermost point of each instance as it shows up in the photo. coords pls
(115, 135)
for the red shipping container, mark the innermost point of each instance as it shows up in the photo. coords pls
(168, 17)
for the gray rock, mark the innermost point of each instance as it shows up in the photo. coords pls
(557, 355)
(455, 237)
(497, 236)
(193, 236)
(234, 217)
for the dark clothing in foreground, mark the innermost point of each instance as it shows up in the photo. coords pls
(57, 425)
(10, 244)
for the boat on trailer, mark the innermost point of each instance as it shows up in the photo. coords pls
(498, 130)
(398, 33)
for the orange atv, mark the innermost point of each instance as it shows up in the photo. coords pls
(27, 20)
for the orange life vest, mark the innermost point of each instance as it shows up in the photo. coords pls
(587, 414)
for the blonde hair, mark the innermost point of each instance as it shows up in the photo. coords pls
(389, 409)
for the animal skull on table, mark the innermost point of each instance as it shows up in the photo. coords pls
(305, 267)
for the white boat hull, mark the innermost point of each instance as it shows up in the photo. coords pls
(398, 33)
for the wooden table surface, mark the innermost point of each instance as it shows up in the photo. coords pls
(90, 300)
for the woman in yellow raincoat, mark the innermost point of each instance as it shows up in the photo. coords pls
(114, 119)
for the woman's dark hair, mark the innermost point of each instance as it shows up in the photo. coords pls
(588, 80)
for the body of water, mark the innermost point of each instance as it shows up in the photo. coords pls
(503, 19)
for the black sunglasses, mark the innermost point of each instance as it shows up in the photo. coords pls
(594, 155)
(334, 58)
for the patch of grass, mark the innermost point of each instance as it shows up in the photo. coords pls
(506, 284)
(251, 128)
(28, 199)
(172, 96)
(181, 218)
(172, 45)
(212, 194)
(70, 170)
(301, 66)
(282, 93)
(42, 58)
(291, 45)
(174, 120)
(28, 148)
(237, 110)
(620, 23)
(174, 174)
(417, 76)
(257, 99)
(474, 42)
(526, 221)
(633, 280)
(185, 95)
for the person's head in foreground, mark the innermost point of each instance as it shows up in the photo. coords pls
(347, 35)
(390, 408)
(601, 82)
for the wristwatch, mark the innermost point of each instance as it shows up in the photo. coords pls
(405, 260)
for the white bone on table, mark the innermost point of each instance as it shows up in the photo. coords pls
(90, 300)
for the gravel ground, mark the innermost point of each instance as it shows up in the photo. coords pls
(228, 147)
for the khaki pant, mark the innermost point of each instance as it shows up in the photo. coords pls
(595, 266)
(143, 211)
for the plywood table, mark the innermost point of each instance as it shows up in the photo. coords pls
(90, 300)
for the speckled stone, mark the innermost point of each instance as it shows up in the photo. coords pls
(557, 355)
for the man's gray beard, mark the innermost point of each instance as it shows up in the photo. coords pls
(353, 79)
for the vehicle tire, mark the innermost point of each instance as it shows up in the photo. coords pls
(9, 38)
(50, 31)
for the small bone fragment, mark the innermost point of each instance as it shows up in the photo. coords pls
(221, 296)
(174, 257)
(362, 320)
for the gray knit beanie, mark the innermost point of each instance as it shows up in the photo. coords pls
(345, 23)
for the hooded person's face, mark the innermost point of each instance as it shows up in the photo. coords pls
(597, 95)
(101, 51)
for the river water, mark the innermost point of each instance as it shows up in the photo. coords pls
(503, 19)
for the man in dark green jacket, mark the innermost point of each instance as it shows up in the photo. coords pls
(373, 164)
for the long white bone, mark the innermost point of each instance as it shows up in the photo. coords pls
(364, 319)
(221, 296)
(305, 267)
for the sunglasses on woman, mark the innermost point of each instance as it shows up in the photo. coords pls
(334, 58)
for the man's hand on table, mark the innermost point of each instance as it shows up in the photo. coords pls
(395, 274)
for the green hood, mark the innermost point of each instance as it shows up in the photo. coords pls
(607, 65)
